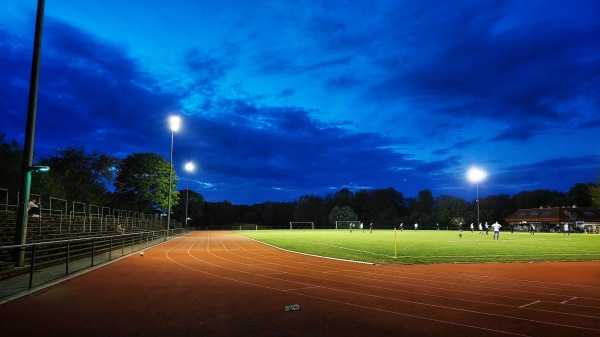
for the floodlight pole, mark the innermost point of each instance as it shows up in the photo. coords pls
(188, 167)
(476, 174)
(174, 124)
(170, 182)
(25, 183)
(477, 200)
(187, 197)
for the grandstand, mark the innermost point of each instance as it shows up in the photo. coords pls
(71, 236)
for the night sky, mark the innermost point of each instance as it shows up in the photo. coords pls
(279, 99)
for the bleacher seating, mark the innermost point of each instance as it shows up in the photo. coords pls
(56, 227)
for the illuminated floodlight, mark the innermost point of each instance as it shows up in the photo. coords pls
(476, 174)
(175, 123)
(189, 166)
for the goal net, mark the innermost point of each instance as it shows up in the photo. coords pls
(302, 225)
(346, 224)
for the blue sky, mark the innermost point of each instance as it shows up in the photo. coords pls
(285, 98)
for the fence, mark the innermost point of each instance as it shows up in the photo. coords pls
(80, 217)
(48, 261)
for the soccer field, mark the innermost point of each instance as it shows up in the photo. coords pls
(410, 247)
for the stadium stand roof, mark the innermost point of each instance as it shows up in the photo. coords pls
(555, 215)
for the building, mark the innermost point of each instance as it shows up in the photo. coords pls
(552, 219)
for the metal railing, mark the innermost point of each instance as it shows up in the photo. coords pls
(52, 260)
(83, 217)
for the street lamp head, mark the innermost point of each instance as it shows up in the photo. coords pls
(189, 166)
(175, 123)
(476, 174)
(40, 169)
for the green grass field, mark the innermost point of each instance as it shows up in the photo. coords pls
(433, 246)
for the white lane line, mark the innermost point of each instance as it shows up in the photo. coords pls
(526, 305)
(569, 300)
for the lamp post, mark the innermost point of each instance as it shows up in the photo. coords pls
(174, 123)
(188, 167)
(26, 164)
(475, 175)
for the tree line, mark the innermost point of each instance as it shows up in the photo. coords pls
(139, 183)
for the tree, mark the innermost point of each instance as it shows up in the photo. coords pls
(344, 213)
(595, 194)
(276, 214)
(195, 207)
(452, 211)
(78, 175)
(423, 209)
(220, 213)
(142, 183)
(580, 195)
(307, 208)
(344, 197)
(11, 155)
(385, 206)
(496, 208)
(537, 198)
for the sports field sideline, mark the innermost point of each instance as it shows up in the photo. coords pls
(429, 246)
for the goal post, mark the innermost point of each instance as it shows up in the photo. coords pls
(345, 224)
(302, 225)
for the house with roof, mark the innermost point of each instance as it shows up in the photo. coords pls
(551, 219)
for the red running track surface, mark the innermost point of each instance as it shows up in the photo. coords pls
(221, 284)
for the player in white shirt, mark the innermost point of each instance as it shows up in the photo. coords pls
(496, 227)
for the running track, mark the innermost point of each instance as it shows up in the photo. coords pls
(221, 284)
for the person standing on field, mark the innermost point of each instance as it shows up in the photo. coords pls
(566, 227)
(496, 228)
(416, 226)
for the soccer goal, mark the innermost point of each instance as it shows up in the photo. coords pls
(302, 225)
(346, 224)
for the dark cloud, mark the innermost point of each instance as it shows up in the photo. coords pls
(90, 93)
(344, 94)
(526, 71)
(542, 174)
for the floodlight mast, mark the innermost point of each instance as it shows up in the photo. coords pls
(25, 183)
(188, 167)
(174, 124)
(475, 174)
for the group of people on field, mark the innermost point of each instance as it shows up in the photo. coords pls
(495, 227)
(361, 226)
